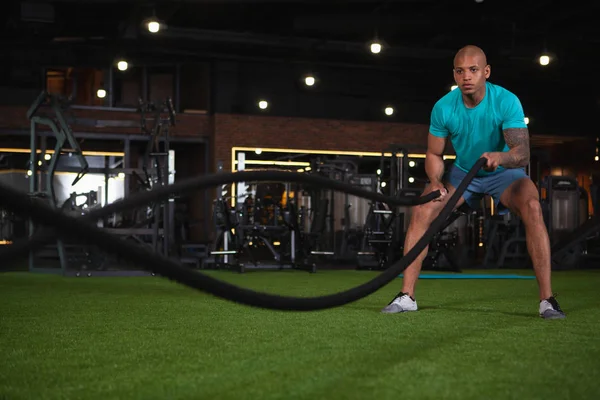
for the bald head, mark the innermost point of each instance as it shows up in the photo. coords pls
(472, 52)
(471, 70)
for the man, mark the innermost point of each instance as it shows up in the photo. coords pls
(481, 120)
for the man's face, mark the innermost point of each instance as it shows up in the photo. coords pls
(470, 73)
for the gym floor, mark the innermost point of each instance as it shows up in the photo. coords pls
(149, 338)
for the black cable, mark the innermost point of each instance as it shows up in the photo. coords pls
(82, 230)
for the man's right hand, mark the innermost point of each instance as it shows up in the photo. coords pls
(433, 186)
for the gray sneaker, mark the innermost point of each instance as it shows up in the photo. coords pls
(549, 309)
(401, 303)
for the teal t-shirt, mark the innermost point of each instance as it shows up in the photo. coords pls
(474, 131)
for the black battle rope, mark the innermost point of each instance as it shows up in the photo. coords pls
(45, 236)
(81, 230)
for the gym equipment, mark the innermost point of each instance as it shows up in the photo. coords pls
(379, 241)
(570, 250)
(12, 227)
(150, 225)
(560, 207)
(505, 244)
(383, 229)
(82, 230)
(444, 249)
(345, 212)
(244, 234)
(41, 188)
(384, 233)
(226, 247)
(292, 225)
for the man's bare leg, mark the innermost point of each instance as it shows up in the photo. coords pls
(522, 198)
(421, 220)
(422, 217)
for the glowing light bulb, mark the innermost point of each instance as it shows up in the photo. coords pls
(153, 26)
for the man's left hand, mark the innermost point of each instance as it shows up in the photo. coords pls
(493, 161)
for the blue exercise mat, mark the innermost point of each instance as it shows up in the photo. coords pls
(471, 276)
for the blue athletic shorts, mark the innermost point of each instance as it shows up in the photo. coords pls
(493, 185)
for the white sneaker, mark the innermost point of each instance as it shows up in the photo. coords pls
(401, 303)
(549, 309)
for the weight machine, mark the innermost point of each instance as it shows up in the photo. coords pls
(41, 182)
(242, 233)
(383, 230)
(505, 242)
(151, 226)
(343, 228)
(560, 207)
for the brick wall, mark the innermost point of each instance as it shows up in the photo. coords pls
(312, 134)
(187, 125)
(228, 130)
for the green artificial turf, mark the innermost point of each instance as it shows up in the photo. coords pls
(149, 338)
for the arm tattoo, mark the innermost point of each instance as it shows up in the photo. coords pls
(517, 140)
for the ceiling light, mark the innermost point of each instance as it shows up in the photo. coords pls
(153, 26)
(101, 93)
(411, 179)
(122, 65)
(309, 80)
(375, 47)
(411, 163)
(263, 104)
(389, 110)
(544, 60)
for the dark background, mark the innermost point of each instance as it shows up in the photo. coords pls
(231, 53)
